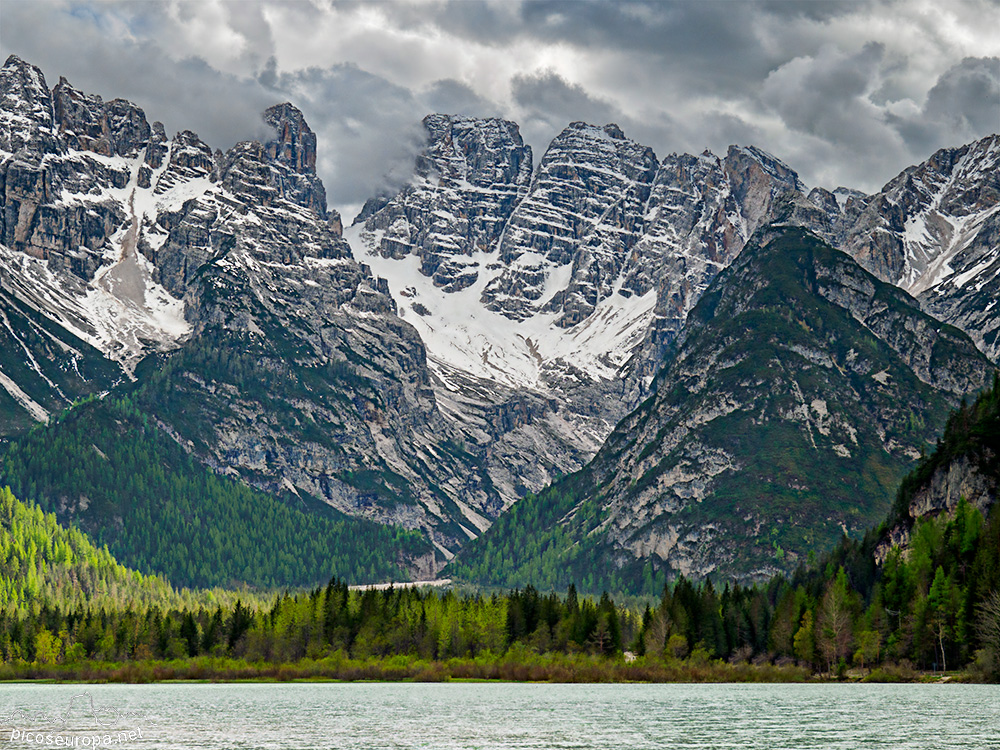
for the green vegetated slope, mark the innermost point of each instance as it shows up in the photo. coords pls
(41, 561)
(105, 468)
(48, 365)
(965, 463)
(933, 600)
(799, 396)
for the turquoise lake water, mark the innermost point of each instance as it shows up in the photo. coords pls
(488, 715)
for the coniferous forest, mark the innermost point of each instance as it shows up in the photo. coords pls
(70, 610)
(172, 516)
(931, 611)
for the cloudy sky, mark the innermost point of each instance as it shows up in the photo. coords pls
(847, 93)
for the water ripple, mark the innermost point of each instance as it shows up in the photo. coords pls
(377, 716)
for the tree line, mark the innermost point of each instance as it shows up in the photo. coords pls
(936, 607)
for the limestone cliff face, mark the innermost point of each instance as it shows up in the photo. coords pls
(49, 251)
(233, 269)
(701, 212)
(961, 479)
(87, 123)
(965, 466)
(293, 152)
(71, 167)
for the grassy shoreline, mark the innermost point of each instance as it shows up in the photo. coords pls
(561, 668)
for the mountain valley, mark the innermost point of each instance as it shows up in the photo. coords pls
(691, 365)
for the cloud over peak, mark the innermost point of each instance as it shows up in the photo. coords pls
(846, 92)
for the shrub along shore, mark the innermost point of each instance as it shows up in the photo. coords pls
(511, 667)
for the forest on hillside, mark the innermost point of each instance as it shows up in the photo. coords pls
(106, 467)
(69, 609)
(934, 609)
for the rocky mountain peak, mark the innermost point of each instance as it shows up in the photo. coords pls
(614, 131)
(79, 118)
(87, 123)
(918, 210)
(26, 117)
(611, 129)
(480, 151)
(757, 179)
(295, 145)
(584, 212)
(975, 178)
(25, 83)
(586, 146)
(293, 153)
(467, 181)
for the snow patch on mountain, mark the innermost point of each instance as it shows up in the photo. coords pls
(122, 310)
(109, 315)
(461, 333)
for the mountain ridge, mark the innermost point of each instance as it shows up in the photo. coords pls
(473, 337)
(750, 452)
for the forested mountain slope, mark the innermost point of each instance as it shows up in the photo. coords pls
(800, 394)
(108, 469)
(43, 562)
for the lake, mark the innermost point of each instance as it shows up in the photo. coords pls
(502, 715)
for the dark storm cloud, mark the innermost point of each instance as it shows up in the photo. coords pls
(268, 75)
(453, 97)
(827, 96)
(706, 43)
(248, 20)
(963, 105)
(720, 129)
(694, 38)
(829, 100)
(703, 41)
(489, 22)
(966, 99)
(548, 103)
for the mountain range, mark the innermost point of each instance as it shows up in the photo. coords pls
(680, 349)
